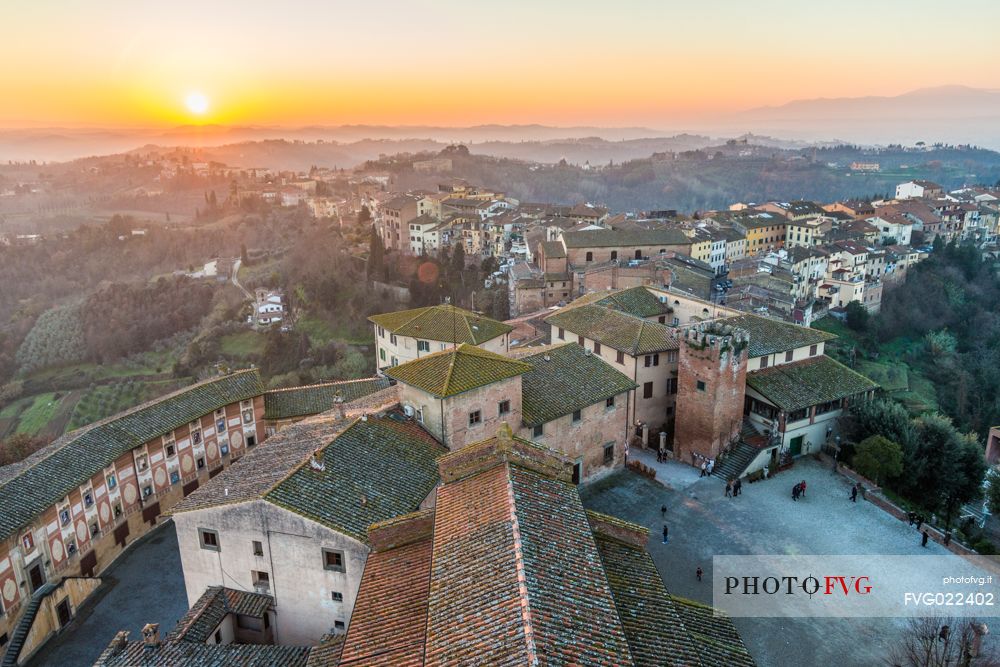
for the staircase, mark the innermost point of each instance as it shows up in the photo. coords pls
(736, 462)
(24, 625)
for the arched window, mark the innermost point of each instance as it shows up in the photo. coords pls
(590, 257)
(638, 254)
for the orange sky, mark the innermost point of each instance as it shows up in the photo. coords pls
(632, 62)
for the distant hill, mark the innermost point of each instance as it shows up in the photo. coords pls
(948, 114)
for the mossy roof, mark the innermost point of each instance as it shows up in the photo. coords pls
(637, 301)
(805, 383)
(458, 370)
(612, 238)
(45, 478)
(769, 336)
(568, 381)
(442, 323)
(378, 468)
(315, 398)
(616, 329)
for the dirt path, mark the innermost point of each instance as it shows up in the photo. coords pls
(57, 425)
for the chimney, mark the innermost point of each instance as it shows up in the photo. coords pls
(547, 358)
(151, 635)
(315, 462)
(120, 641)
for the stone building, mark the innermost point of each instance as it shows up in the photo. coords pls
(292, 521)
(562, 395)
(71, 508)
(405, 335)
(712, 379)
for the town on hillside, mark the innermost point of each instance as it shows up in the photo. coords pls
(442, 507)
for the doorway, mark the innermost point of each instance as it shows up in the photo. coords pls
(64, 613)
(577, 472)
(36, 577)
(795, 445)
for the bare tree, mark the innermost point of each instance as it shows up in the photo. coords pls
(944, 642)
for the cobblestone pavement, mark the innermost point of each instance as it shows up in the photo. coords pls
(146, 585)
(765, 520)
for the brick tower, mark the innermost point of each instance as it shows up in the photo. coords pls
(711, 383)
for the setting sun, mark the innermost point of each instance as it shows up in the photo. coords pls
(197, 103)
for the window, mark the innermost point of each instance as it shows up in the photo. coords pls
(789, 355)
(700, 385)
(258, 548)
(111, 480)
(171, 451)
(338, 626)
(538, 431)
(392, 339)
(609, 453)
(423, 346)
(147, 491)
(220, 425)
(610, 403)
(577, 416)
(652, 360)
(812, 350)
(662, 319)
(94, 529)
(381, 354)
(209, 539)
(200, 463)
(597, 347)
(218, 636)
(647, 390)
(196, 437)
(475, 417)
(638, 254)
(763, 362)
(64, 517)
(614, 255)
(336, 596)
(251, 440)
(141, 462)
(175, 477)
(676, 321)
(620, 357)
(88, 499)
(671, 386)
(260, 579)
(28, 542)
(562, 334)
(224, 449)
(503, 408)
(118, 509)
(248, 416)
(333, 560)
(579, 339)
(590, 257)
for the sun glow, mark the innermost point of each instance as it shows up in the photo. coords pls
(197, 103)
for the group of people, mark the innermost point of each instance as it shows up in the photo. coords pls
(918, 521)
(707, 466)
(799, 490)
(734, 487)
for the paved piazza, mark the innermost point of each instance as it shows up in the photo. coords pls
(765, 520)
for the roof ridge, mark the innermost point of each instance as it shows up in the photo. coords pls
(468, 325)
(522, 577)
(326, 383)
(451, 369)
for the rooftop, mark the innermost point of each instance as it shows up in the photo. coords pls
(617, 330)
(607, 238)
(769, 336)
(315, 398)
(553, 249)
(810, 382)
(29, 488)
(201, 620)
(442, 323)
(485, 576)
(457, 370)
(565, 378)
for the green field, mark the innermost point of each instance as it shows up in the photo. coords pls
(241, 345)
(321, 331)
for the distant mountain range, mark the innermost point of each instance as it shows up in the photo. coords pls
(948, 114)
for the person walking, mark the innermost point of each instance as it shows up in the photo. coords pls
(663, 511)
(912, 516)
(947, 538)
(923, 539)
(854, 493)
(802, 488)
(698, 573)
(711, 466)
(729, 488)
(920, 521)
(795, 492)
(737, 487)
(666, 531)
(704, 467)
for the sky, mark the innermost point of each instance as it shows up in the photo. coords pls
(656, 63)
